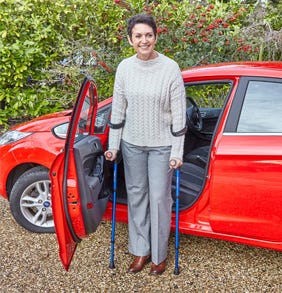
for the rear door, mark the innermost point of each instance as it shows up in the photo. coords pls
(77, 177)
(246, 177)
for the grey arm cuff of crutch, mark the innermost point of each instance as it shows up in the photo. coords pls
(117, 125)
(180, 132)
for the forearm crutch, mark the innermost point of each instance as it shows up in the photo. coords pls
(112, 255)
(177, 175)
(177, 189)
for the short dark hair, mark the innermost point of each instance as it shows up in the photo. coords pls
(141, 18)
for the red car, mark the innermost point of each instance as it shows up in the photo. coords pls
(231, 177)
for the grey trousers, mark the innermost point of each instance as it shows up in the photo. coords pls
(148, 182)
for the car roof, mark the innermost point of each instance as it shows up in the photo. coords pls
(232, 69)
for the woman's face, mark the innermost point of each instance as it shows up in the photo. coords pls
(143, 41)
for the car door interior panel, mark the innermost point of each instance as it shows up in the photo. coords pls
(89, 161)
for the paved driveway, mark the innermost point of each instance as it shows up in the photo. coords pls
(29, 263)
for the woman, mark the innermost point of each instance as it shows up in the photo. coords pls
(148, 122)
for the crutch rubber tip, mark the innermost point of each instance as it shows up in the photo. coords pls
(176, 271)
(112, 266)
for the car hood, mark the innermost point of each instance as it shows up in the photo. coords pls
(44, 123)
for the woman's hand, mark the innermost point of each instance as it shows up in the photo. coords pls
(111, 155)
(175, 163)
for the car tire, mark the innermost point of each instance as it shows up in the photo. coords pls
(30, 201)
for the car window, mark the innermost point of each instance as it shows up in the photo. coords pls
(84, 123)
(102, 119)
(261, 110)
(208, 95)
(100, 123)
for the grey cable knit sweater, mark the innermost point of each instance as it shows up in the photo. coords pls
(150, 97)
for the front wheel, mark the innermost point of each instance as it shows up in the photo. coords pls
(30, 201)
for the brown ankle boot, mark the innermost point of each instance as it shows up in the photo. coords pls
(138, 264)
(158, 269)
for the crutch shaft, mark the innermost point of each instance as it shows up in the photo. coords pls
(112, 264)
(177, 174)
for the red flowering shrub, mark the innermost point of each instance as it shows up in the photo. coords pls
(201, 34)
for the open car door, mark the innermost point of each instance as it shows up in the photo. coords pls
(77, 177)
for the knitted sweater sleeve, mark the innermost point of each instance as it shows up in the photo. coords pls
(118, 110)
(178, 113)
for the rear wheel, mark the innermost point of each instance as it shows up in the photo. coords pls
(30, 201)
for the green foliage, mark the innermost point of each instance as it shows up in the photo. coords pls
(30, 41)
(46, 47)
(209, 95)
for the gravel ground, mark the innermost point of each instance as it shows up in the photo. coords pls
(30, 263)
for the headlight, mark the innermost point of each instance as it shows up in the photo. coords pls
(12, 136)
